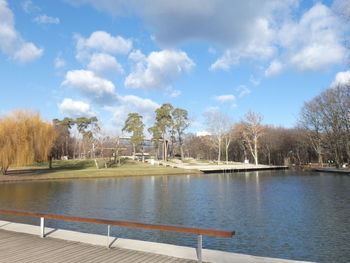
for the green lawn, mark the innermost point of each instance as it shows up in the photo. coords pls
(74, 169)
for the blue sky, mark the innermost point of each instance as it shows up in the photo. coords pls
(108, 58)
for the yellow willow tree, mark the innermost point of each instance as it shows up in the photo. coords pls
(24, 138)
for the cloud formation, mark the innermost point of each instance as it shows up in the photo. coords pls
(130, 103)
(101, 63)
(243, 91)
(199, 19)
(59, 62)
(102, 42)
(73, 109)
(320, 46)
(341, 79)
(175, 93)
(45, 19)
(257, 47)
(11, 41)
(99, 90)
(258, 30)
(29, 7)
(274, 68)
(225, 98)
(158, 70)
(321, 43)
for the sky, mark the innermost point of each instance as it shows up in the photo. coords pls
(107, 58)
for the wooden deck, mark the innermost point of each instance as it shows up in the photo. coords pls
(226, 168)
(333, 170)
(20, 247)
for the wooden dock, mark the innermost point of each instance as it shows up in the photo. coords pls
(333, 170)
(237, 168)
(21, 247)
(221, 168)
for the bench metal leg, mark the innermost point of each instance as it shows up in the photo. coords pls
(108, 235)
(199, 249)
(42, 227)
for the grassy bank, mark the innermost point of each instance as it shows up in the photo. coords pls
(75, 169)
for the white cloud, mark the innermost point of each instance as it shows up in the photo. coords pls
(59, 62)
(175, 93)
(130, 103)
(29, 7)
(72, 108)
(274, 68)
(225, 61)
(212, 109)
(101, 41)
(321, 43)
(229, 99)
(224, 22)
(225, 98)
(258, 47)
(243, 91)
(11, 42)
(341, 7)
(341, 79)
(320, 46)
(203, 133)
(137, 56)
(95, 88)
(27, 52)
(254, 81)
(104, 63)
(158, 70)
(252, 29)
(45, 19)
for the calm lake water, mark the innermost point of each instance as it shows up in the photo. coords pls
(284, 214)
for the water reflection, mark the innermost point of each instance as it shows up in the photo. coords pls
(276, 214)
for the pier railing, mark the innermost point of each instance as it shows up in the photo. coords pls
(188, 230)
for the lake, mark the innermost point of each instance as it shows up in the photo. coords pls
(283, 214)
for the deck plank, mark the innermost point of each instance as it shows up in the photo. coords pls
(19, 247)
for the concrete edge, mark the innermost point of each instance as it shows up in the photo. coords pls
(144, 246)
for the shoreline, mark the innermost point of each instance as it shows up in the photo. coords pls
(93, 174)
(44, 174)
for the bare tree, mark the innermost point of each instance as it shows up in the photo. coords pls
(218, 124)
(227, 135)
(252, 130)
(312, 122)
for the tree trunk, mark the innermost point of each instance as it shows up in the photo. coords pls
(227, 154)
(256, 150)
(182, 152)
(50, 162)
(219, 154)
(133, 151)
(4, 170)
(67, 141)
(320, 159)
(96, 163)
(165, 153)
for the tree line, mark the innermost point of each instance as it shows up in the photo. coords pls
(322, 135)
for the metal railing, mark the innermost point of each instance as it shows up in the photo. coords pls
(188, 230)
